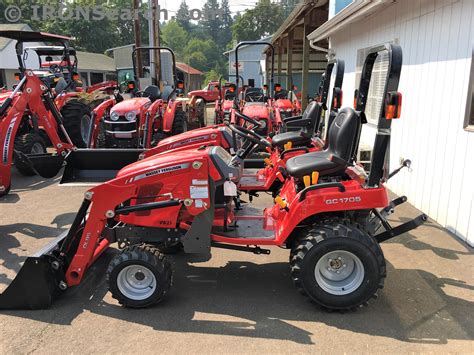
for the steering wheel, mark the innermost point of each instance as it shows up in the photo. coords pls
(247, 119)
(255, 98)
(250, 136)
(55, 68)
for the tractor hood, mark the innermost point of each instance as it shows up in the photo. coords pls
(284, 104)
(163, 163)
(256, 110)
(213, 135)
(195, 136)
(135, 104)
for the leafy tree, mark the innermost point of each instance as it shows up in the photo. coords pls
(183, 16)
(227, 22)
(174, 36)
(261, 21)
(212, 20)
(212, 75)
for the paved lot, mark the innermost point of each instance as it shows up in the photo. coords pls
(237, 302)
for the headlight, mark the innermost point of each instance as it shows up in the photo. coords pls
(263, 124)
(289, 110)
(114, 116)
(131, 116)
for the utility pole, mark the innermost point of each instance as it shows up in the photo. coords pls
(154, 25)
(138, 41)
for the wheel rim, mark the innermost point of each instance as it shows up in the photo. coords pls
(136, 282)
(37, 148)
(339, 272)
(85, 127)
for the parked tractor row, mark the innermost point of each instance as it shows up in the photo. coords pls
(167, 190)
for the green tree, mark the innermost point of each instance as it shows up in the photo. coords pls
(174, 36)
(261, 21)
(183, 16)
(227, 22)
(212, 21)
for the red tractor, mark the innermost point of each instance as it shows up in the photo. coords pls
(332, 225)
(65, 89)
(147, 117)
(225, 102)
(254, 102)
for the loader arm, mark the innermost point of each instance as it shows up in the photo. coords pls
(98, 114)
(34, 97)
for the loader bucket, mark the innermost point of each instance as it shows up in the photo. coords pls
(92, 166)
(45, 165)
(37, 282)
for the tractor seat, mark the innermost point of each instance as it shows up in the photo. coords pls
(305, 130)
(297, 138)
(343, 138)
(152, 92)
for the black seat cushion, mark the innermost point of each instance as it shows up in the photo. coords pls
(152, 92)
(297, 138)
(317, 161)
(343, 135)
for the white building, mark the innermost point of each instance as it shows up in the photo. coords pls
(93, 67)
(436, 130)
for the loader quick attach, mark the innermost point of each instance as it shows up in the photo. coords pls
(328, 213)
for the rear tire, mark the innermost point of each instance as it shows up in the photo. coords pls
(29, 143)
(339, 266)
(139, 276)
(77, 119)
(180, 123)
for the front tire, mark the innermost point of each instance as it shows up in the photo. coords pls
(139, 276)
(180, 123)
(29, 143)
(339, 266)
(77, 122)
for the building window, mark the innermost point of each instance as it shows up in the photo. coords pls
(84, 79)
(110, 76)
(377, 83)
(469, 120)
(96, 78)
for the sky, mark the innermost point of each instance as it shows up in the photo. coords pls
(235, 5)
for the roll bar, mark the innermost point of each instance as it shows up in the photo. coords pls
(159, 49)
(253, 43)
(382, 137)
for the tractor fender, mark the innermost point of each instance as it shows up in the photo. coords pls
(169, 114)
(154, 107)
(323, 202)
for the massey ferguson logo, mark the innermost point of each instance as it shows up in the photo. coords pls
(191, 140)
(160, 171)
(7, 140)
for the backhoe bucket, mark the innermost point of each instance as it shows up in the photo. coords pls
(92, 166)
(38, 281)
(45, 165)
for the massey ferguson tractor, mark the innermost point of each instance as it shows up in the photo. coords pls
(144, 119)
(254, 102)
(329, 216)
(66, 88)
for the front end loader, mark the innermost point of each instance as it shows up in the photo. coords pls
(331, 220)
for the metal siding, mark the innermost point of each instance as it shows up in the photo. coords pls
(437, 39)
